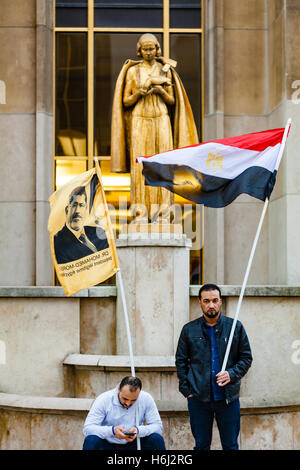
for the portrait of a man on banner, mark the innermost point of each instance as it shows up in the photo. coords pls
(76, 240)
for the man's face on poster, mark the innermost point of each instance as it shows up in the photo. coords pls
(76, 212)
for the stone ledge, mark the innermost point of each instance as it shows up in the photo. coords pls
(111, 291)
(269, 404)
(60, 405)
(44, 404)
(56, 291)
(105, 363)
(254, 291)
(140, 239)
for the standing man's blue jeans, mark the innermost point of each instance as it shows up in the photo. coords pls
(227, 417)
(153, 442)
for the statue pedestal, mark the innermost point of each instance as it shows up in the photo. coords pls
(151, 232)
(154, 228)
(155, 272)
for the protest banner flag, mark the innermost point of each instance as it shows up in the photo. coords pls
(82, 241)
(214, 173)
(81, 236)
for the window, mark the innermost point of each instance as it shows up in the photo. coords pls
(93, 38)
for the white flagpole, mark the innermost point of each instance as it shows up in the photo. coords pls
(287, 127)
(119, 276)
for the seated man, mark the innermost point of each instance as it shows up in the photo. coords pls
(111, 422)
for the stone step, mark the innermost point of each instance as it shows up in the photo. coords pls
(56, 423)
(94, 374)
(121, 362)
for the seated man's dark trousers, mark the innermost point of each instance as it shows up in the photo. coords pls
(227, 417)
(153, 442)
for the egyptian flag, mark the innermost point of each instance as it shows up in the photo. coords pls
(214, 173)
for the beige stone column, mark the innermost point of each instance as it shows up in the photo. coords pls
(284, 103)
(44, 138)
(214, 129)
(17, 152)
(245, 85)
(155, 274)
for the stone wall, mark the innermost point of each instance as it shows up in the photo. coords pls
(251, 70)
(251, 75)
(235, 103)
(58, 353)
(26, 154)
(44, 138)
(37, 334)
(35, 423)
(40, 327)
(18, 145)
(284, 76)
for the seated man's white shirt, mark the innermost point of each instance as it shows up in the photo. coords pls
(107, 411)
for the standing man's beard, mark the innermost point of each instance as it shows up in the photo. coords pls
(212, 314)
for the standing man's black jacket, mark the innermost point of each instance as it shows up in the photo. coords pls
(193, 358)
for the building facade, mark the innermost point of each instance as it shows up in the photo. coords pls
(240, 63)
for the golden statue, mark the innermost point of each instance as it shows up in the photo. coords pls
(148, 92)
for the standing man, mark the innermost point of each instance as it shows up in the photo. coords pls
(111, 422)
(200, 352)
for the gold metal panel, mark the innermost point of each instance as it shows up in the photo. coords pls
(66, 29)
(67, 169)
(166, 23)
(128, 30)
(185, 30)
(57, 157)
(90, 83)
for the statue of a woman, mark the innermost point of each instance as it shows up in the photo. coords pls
(148, 92)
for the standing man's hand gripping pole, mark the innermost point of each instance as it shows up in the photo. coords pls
(223, 378)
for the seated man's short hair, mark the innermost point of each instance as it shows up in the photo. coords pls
(133, 382)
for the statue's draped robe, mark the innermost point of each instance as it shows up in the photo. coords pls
(145, 129)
